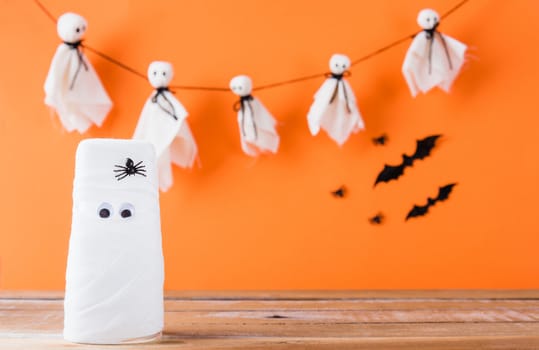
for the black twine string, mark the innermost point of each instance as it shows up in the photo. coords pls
(45, 10)
(431, 36)
(240, 106)
(383, 49)
(155, 99)
(454, 8)
(116, 62)
(287, 82)
(340, 82)
(444, 43)
(76, 46)
(267, 86)
(201, 88)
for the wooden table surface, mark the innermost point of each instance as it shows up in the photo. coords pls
(304, 320)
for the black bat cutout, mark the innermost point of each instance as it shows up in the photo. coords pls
(339, 193)
(380, 140)
(443, 194)
(378, 219)
(423, 149)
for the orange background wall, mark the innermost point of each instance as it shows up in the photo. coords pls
(271, 223)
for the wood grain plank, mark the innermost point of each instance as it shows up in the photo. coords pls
(323, 323)
(281, 343)
(361, 316)
(297, 320)
(344, 329)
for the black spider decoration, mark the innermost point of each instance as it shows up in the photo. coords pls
(129, 169)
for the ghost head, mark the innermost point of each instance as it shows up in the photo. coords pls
(338, 64)
(427, 19)
(160, 74)
(71, 27)
(241, 85)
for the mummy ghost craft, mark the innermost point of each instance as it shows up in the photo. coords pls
(114, 276)
(163, 122)
(433, 59)
(72, 87)
(334, 108)
(256, 124)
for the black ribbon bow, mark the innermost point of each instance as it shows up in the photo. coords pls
(155, 99)
(239, 106)
(76, 46)
(340, 81)
(431, 33)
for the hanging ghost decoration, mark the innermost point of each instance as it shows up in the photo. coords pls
(72, 88)
(334, 108)
(163, 122)
(115, 273)
(433, 59)
(256, 124)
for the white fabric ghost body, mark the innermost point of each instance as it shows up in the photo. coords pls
(334, 108)
(72, 87)
(114, 276)
(433, 59)
(163, 122)
(257, 126)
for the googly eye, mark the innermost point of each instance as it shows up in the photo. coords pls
(104, 210)
(127, 210)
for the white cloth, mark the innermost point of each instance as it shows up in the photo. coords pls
(257, 129)
(79, 99)
(338, 120)
(114, 276)
(416, 63)
(172, 138)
